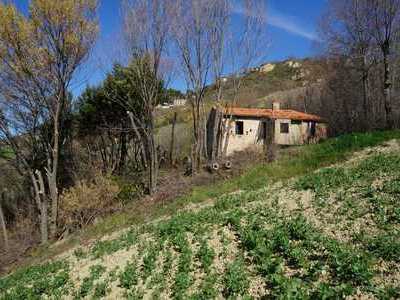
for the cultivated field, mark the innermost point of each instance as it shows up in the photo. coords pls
(323, 234)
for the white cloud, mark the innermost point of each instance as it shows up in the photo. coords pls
(290, 24)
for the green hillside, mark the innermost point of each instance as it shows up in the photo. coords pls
(320, 223)
(283, 77)
(254, 87)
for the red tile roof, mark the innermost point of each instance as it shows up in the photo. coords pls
(269, 113)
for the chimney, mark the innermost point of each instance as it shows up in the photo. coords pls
(276, 106)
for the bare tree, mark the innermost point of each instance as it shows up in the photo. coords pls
(346, 31)
(3, 222)
(362, 33)
(205, 40)
(39, 55)
(146, 27)
(172, 143)
(385, 27)
(191, 32)
(246, 46)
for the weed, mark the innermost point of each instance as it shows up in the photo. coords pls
(87, 284)
(80, 253)
(236, 282)
(386, 246)
(183, 279)
(100, 290)
(149, 261)
(34, 282)
(205, 255)
(207, 289)
(102, 248)
(129, 276)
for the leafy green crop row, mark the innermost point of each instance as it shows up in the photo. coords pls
(291, 257)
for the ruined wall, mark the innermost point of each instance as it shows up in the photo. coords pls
(251, 130)
(299, 134)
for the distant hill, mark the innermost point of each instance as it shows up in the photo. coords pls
(280, 77)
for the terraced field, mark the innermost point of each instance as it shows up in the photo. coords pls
(328, 234)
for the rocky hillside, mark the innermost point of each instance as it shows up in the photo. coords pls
(290, 232)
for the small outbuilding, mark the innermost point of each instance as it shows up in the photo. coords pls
(179, 102)
(248, 126)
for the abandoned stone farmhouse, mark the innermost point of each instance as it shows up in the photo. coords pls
(248, 126)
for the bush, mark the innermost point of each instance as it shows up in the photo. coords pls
(128, 191)
(85, 201)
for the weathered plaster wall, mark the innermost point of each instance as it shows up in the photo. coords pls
(298, 134)
(249, 137)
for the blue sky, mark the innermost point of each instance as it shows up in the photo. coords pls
(291, 28)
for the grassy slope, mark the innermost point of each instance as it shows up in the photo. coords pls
(268, 237)
(6, 153)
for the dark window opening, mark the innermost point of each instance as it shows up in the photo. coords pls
(264, 130)
(296, 122)
(284, 127)
(313, 129)
(239, 127)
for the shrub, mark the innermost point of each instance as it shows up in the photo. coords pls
(82, 203)
(129, 191)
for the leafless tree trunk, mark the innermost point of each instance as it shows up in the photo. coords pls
(269, 140)
(154, 164)
(387, 84)
(208, 45)
(3, 223)
(52, 168)
(366, 105)
(346, 31)
(43, 52)
(41, 203)
(140, 139)
(172, 145)
(213, 131)
(386, 25)
(146, 28)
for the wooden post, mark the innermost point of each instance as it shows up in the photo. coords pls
(140, 139)
(269, 140)
(43, 207)
(3, 224)
(172, 145)
(213, 134)
(210, 133)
